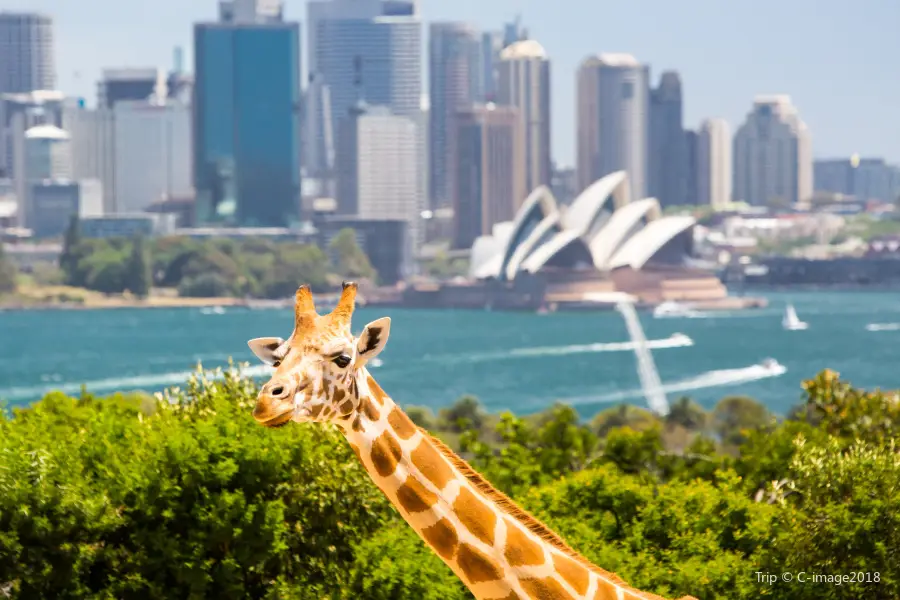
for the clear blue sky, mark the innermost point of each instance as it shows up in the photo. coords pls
(839, 61)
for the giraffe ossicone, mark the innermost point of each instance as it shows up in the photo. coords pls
(498, 550)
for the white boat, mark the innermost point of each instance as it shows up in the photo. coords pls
(772, 366)
(681, 338)
(673, 309)
(791, 321)
(214, 310)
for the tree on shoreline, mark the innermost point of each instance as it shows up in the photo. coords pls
(138, 279)
(7, 273)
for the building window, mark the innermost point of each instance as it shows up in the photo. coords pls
(628, 90)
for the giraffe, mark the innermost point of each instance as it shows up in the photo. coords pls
(498, 550)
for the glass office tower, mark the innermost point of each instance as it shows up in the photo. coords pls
(246, 123)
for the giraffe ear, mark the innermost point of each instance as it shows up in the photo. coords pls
(372, 340)
(265, 349)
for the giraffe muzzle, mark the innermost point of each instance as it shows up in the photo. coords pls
(275, 403)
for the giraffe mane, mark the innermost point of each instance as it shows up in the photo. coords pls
(535, 526)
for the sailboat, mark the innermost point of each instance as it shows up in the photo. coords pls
(791, 321)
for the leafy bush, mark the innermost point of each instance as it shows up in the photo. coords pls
(184, 495)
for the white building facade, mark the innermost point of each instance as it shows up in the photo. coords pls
(714, 176)
(152, 148)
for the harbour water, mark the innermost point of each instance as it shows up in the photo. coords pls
(517, 361)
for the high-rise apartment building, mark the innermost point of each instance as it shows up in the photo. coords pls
(487, 170)
(714, 176)
(523, 81)
(26, 53)
(613, 120)
(455, 82)
(246, 112)
(668, 151)
(773, 155)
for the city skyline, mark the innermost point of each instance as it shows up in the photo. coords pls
(793, 61)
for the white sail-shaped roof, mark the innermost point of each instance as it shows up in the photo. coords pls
(645, 243)
(614, 230)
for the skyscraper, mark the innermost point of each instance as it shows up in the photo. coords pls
(487, 171)
(714, 163)
(26, 53)
(455, 82)
(246, 117)
(772, 155)
(613, 120)
(152, 142)
(667, 159)
(377, 176)
(362, 50)
(523, 81)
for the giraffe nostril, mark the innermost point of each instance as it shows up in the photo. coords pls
(278, 390)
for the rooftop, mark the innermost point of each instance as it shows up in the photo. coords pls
(523, 49)
(46, 132)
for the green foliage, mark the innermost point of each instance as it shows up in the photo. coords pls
(681, 538)
(99, 499)
(735, 416)
(395, 564)
(350, 260)
(465, 414)
(441, 266)
(843, 411)
(623, 415)
(7, 273)
(214, 267)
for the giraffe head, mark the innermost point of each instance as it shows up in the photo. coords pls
(316, 369)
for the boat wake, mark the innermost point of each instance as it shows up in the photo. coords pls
(710, 379)
(676, 340)
(883, 327)
(115, 384)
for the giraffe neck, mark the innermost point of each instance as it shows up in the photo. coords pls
(495, 548)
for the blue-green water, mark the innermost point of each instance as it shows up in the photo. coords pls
(512, 361)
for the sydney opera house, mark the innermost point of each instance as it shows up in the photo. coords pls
(587, 254)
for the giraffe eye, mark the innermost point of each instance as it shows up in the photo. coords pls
(342, 360)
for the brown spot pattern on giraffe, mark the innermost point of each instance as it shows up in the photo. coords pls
(475, 515)
(375, 390)
(521, 550)
(476, 567)
(386, 453)
(368, 408)
(575, 574)
(605, 591)
(432, 465)
(401, 424)
(442, 537)
(413, 496)
(545, 589)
